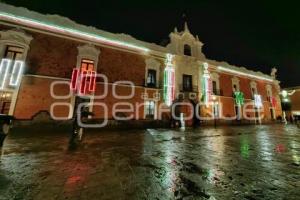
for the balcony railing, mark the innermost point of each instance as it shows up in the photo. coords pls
(184, 88)
(217, 92)
(150, 85)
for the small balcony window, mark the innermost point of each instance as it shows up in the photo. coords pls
(187, 83)
(151, 78)
(87, 65)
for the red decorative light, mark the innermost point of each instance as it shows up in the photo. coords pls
(74, 80)
(92, 85)
(273, 101)
(83, 82)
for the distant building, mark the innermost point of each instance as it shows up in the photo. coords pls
(49, 47)
(294, 99)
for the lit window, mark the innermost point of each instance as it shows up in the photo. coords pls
(87, 65)
(150, 109)
(5, 101)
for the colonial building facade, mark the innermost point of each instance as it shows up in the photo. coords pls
(140, 80)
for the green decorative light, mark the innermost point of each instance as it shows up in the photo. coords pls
(239, 98)
(245, 148)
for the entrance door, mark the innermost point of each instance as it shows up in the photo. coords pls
(5, 101)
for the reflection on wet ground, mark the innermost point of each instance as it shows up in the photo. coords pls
(247, 162)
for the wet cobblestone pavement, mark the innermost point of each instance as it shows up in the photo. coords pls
(249, 162)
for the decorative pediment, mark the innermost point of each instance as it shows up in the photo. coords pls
(88, 51)
(152, 63)
(16, 36)
(235, 79)
(253, 84)
(215, 75)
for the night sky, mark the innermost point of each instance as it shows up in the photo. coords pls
(258, 35)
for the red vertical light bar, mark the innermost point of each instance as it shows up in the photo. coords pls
(74, 80)
(83, 82)
(173, 85)
(273, 102)
(92, 84)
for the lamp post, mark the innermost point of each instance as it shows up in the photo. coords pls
(214, 98)
(285, 103)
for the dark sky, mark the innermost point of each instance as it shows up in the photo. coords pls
(256, 34)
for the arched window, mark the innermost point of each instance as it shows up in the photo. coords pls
(187, 50)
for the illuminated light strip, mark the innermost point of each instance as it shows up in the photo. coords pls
(83, 82)
(71, 31)
(74, 79)
(92, 85)
(244, 74)
(169, 82)
(206, 84)
(14, 81)
(4, 73)
(258, 101)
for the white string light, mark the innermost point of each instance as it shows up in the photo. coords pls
(65, 30)
(244, 74)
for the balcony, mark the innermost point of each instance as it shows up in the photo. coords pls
(217, 92)
(150, 85)
(192, 89)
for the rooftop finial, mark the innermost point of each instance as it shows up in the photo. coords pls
(273, 72)
(186, 28)
(175, 30)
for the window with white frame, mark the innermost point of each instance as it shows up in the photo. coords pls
(152, 72)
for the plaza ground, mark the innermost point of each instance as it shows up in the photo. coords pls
(246, 162)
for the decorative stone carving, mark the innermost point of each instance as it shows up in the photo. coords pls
(180, 39)
(88, 51)
(236, 81)
(16, 37)
(273, 72)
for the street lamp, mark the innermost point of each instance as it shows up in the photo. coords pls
(285, 103)
(215, 103)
